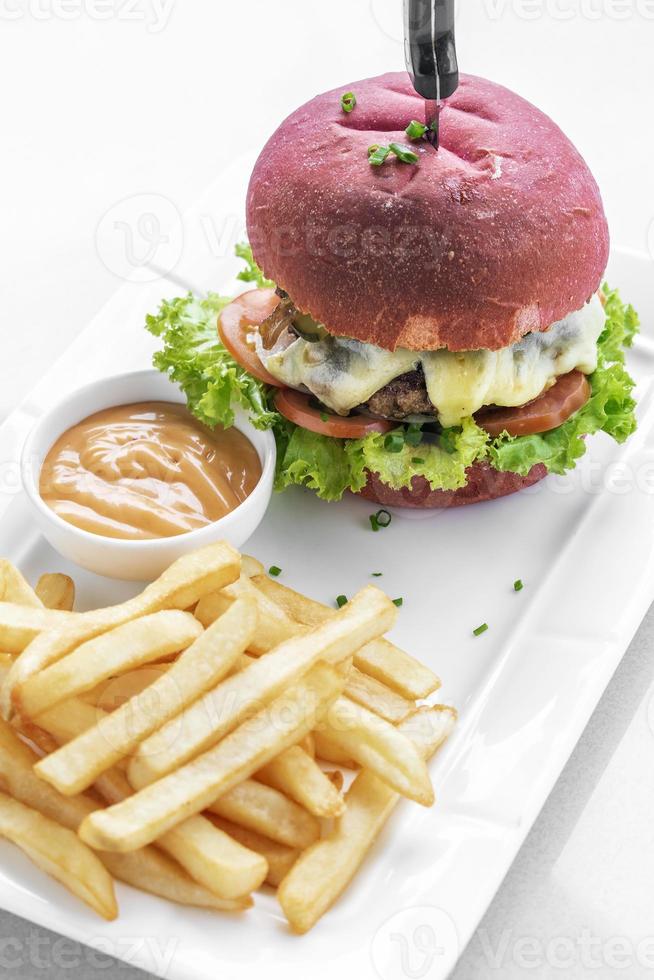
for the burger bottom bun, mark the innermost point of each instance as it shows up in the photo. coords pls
(484, 483)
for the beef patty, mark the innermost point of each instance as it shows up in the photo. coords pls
(406, 395)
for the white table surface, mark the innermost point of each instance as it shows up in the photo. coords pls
(105, 100)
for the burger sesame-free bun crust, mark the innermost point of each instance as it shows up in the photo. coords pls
(484, 483)
(499, 233)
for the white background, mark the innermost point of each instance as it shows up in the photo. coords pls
(106, 99)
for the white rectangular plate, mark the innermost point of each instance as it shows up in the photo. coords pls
(584, 547)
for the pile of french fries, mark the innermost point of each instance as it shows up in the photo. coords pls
(217, 732)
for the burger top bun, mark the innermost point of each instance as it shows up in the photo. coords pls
(499, 233)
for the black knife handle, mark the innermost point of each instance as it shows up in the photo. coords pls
(429, 47)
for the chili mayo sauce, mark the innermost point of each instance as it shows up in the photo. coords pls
(147, 470)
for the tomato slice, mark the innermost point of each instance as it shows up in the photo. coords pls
(296, 406)
(235, 327)
(546, 412)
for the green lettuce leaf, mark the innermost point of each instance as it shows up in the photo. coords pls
(193, 357)
(332, 466)
(326, 465)
(444, 469)
(621, 327)
(252, 272)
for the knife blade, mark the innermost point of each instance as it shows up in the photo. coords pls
(430, 55)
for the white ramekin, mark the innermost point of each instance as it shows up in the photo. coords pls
(135, 560)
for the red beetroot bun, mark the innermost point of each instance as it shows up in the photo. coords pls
(500, 233)
(484, 483)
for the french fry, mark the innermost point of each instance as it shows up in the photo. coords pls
(237, 698)
(379, 658)
(59, 852)
(180, 587)
(116, 691)
(206, 853)
(329, 751)
(56, 591)
(280, 858)
(68, 719)
(321, 874)
(18, 778)
(20, 624)
(274, 625)
(212, 860)
(428, 727)
(76, 766)
(267, 811)
(251, 566)
(128, 646)
(15, 588)
(379, 746)
(377, 697)
(296, 774)
(297, 606)
(149, 870)
(154, 810)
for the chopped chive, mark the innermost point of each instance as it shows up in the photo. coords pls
(348, 101)
(415, 130)
(376, 574)
(447, 440)
(381, 519)
(274, 570)
(341, 600)
(417, 460)
(480, 629)
(394, 442)
(404, 153)
(377, 155)
(324, 417)
(398, 602)
(413, 435)
(517, 585)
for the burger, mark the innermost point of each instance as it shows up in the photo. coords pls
(429, 327)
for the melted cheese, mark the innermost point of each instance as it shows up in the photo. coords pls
(345, 373)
